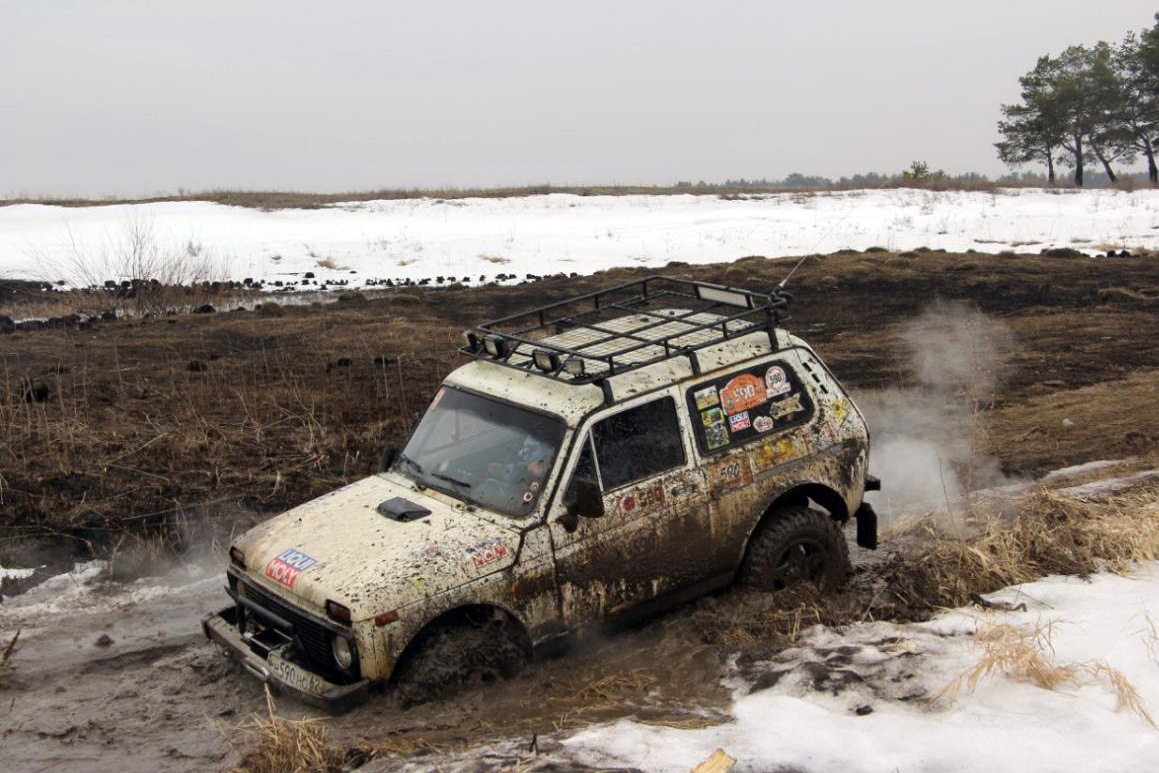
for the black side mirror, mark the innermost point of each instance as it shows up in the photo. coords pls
(586, 501)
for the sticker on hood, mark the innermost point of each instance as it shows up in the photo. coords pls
(488, 551)
(287, 565)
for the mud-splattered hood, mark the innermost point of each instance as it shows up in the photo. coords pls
(340, 547)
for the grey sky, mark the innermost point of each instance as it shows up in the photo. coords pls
(134, 97)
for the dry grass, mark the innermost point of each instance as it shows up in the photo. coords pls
(934, 569)
(1050, 534)
(1026, 654)
(278, 745)
(6, 656)
(614, 688)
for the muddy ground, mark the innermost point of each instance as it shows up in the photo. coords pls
(146, 442)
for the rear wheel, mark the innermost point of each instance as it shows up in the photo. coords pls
(797, 545)
(454, 656)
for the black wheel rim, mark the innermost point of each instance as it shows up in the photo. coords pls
(803, 560)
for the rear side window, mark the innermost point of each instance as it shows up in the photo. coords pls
(746, 405)
(638, 443)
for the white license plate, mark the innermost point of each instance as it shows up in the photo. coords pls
(295, 676)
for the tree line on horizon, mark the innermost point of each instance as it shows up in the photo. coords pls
(1088, 105)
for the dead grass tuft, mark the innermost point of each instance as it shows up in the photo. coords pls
(281, 745)
(6, 656)
(1119, 293)
(614, 688)
(1026, 654)
(1051, 534)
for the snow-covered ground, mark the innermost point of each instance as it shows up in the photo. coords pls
(818, 718)
(470, 238)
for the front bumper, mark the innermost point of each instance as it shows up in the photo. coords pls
(278, 671)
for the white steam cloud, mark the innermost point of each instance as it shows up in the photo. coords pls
(928, 438)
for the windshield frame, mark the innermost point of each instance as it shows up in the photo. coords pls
(515, 464)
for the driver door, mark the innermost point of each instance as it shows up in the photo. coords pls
(636, 461)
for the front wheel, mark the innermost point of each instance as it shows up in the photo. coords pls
(797, 545)
(451, 657)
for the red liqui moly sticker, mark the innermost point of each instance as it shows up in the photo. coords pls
(488, 552)
(287, 565)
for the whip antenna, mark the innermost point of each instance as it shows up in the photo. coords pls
(823, 237)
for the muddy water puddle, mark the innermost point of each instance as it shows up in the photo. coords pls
(117, 677)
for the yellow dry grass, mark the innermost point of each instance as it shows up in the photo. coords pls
(281, 745)
(6, 655)
(1026, 654)
(1052, 534)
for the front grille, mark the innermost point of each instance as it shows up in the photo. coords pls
(313, 638)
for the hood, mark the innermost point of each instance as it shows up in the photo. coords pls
(342, 547)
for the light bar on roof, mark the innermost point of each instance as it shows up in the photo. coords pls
(724, 295)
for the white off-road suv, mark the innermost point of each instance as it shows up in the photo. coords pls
(598, 458)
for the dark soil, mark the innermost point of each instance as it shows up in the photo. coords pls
(147, 427)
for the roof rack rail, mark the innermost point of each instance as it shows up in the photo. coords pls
(590, 337)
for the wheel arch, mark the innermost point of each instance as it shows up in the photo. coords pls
(505, 621)
(800, 495)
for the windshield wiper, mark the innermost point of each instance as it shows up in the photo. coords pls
(407, 460)
(464, 484)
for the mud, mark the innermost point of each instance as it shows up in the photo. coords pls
(111, 676)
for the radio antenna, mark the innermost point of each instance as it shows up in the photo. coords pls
(822, 238)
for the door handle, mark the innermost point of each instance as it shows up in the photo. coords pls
(682, 488)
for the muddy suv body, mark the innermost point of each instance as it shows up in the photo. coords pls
(598, 458)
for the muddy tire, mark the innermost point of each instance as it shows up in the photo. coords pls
(797, 544)
(452, 657)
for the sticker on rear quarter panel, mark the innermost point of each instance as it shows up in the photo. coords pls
(287, 565)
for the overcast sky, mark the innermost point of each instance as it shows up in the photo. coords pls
(136, 97)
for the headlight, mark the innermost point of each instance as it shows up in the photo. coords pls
(343, 651)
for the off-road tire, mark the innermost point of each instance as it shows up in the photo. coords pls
(797, 544)
(452, 657)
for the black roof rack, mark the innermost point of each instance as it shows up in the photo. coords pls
(590, 337)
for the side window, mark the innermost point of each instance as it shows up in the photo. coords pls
(638, 443)
(745, 405)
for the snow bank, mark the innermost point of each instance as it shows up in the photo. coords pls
(876, 724)
(469, 238)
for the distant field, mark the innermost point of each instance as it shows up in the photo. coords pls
(314, 200)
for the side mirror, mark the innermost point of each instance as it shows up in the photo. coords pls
(586, 501)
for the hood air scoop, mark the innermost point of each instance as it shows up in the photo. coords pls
(400, 509)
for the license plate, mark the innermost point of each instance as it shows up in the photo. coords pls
(293, 675)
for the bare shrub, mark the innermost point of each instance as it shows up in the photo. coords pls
(150, 272)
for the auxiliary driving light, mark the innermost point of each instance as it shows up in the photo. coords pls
(574, 367)
(545, 360)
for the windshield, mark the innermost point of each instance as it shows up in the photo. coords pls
(481, 450)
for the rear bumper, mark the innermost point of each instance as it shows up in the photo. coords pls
(283, 675)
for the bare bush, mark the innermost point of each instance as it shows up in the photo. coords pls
(138, 268)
